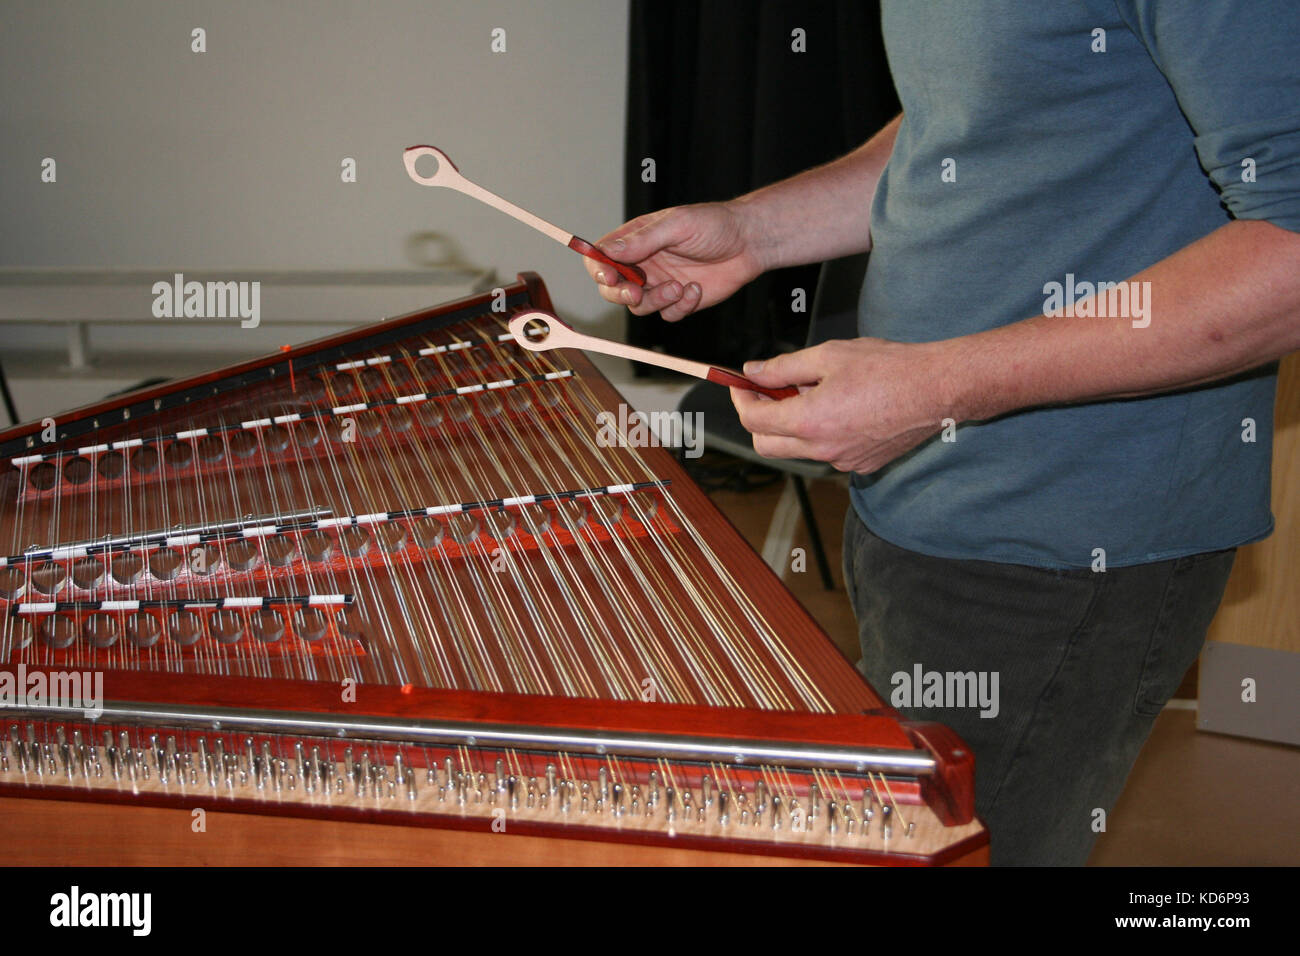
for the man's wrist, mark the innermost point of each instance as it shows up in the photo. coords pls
(971, 383)
(755, 231)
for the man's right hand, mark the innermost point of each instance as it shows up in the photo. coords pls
(693, 257)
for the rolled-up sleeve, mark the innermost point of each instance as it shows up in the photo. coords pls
(1234, 67)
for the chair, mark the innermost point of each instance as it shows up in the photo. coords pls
(834, 316)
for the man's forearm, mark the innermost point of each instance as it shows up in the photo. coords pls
(1227, 303)
(819, 214)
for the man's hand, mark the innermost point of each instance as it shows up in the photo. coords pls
(696, 256)
(864, 402)
(693, 257)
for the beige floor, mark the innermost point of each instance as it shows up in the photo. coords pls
(1192, 799)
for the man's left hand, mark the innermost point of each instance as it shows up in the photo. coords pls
(862, 402)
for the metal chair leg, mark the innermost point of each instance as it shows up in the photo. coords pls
(801, 492)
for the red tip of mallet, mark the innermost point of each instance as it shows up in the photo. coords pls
(407, 688)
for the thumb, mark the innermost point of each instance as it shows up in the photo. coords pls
(791, 368)
(645, 235)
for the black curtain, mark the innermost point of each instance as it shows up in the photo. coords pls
(721, 100)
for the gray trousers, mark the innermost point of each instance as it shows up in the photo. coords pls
(1084, 662)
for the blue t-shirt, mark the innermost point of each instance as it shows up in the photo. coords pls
(1035, 150)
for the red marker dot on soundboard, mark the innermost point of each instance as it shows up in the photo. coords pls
(292, 385)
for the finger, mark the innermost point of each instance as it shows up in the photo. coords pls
(615, 238)
(688, 303)
(644, 236)
(769, 416)
(601, 273)
(625, 294)
(781, 446)
(803, 367)
(660, 297)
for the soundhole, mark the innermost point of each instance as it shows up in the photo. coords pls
(126, 568)
(428, 532)
(144, 460)
(226, 627)
(370, 423)
(178, 454)
(43, 476)
(642, 508)
(399, 374)
(370, 379)
(309, 388)
(243, 444)
(12, 583)
(391, 536)
(49, 577)
(399, 419)
(310, 432)
(23, 635)
(428, 371)
(341, 384)
(341, 429)
(88, 572)
(276, 438)
(355, 542)
(463, 527)
(348, 626)
(280, 550)
(165, 564)
(267, 625)
(316, 546)
(143, 630)
(499, 524)
(451, 364)
(211, 448)
(520, 398)
(242, 555)
(430, 413)
(606, 511)
(535, 519)
(111, 465)
(204, 559)
(311, 623)
(548, 394)
(77, 471)
(102, 630)
(58, 631)
(571, 514)
(185, 628)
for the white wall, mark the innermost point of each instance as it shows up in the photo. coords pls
(230, 159)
